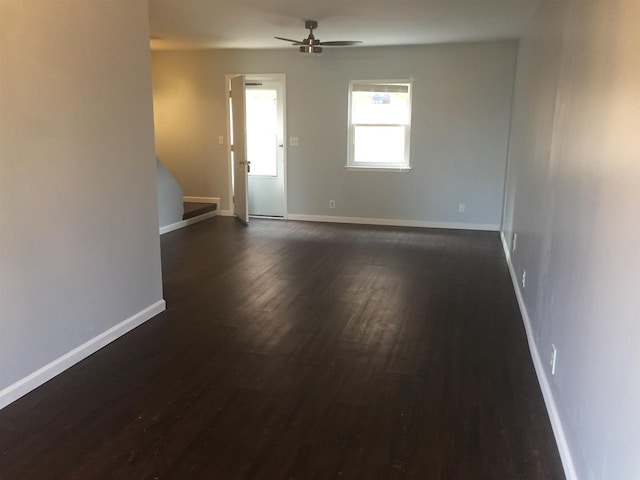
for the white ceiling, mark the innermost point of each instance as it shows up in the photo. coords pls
(253, 23)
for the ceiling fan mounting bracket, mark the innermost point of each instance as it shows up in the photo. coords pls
(310, 24)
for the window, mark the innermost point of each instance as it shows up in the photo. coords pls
(379, 124)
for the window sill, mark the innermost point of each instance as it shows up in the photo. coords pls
(370, 168)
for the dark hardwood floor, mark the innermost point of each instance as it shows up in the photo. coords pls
(303, 351)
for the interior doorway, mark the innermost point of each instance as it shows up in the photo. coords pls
(265, 111)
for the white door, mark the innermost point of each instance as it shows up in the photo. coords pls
(239, 149)
(265, 144)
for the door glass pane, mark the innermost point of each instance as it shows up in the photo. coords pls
(262, 131)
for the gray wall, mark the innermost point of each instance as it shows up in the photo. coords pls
(79, 245)
(170, 205)
(461, 109)
(572, 197)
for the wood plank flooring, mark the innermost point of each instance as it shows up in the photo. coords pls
(295, 350)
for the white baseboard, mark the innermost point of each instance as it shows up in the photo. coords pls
(202, 199)
(226, 213)
(394, 223)
(185, 223)
(547, 394)
(23, 386)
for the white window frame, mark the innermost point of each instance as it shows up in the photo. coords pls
(377, 166)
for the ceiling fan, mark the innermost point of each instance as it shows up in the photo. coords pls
(313, 45)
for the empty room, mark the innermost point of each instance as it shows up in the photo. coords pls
(294, 240)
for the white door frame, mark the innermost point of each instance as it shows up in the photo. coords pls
(256, 77)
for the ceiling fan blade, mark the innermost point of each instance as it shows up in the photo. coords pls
(294, 42)
(341, 43)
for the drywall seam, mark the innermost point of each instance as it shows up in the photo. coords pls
(23, 386)
(547, 394)
(395, 223)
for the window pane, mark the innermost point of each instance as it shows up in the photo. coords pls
(262, 128)
(379, 106)
(374, 144)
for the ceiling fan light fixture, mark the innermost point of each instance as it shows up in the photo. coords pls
(310, 49)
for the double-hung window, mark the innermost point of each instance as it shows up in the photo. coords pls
(379, 124)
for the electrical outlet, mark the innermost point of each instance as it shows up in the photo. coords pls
(514, 243)
(461, 207)
(524, 278)
(332, 204)
(554, 355)
(293, 141)
(221, 140)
